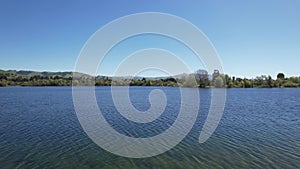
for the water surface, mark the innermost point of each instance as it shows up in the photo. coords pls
(260, 128)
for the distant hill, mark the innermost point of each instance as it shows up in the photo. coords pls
(28, 74)
(34, 78)
(25, 73)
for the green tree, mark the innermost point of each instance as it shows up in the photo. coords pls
(280, 76)
(219, 82)
(204, 82)
(3, 83)
(190, 82)
(247, 83)
(270, 81)
(229, 82)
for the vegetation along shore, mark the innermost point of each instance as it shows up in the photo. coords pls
(203, 80)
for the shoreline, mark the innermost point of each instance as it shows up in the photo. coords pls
(19, 86)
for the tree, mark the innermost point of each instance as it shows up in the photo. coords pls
(219, 83)
(290, 84)
(280, 76)
(270, 81)
(229, 83)
(3, 83)
(204, 82)
(247, 83)
(3, 77)
(215, 74)
(190, 82)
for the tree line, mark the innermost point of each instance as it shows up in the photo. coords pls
(200, 80)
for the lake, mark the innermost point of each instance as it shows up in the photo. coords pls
(260, 128)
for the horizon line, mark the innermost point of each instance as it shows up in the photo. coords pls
(160, 76)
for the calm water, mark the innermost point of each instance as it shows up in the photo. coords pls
(260, 128)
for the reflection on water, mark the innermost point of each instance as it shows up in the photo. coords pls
(260, 128)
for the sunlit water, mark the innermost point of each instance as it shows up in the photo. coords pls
(260, 128)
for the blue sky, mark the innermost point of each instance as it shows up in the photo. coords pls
(251, 37)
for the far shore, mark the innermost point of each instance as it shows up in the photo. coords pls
(198, 79)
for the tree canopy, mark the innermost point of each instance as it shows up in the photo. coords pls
(202, 80)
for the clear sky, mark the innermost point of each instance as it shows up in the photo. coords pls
(251, 37)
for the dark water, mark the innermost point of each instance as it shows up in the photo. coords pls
(260, 128)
